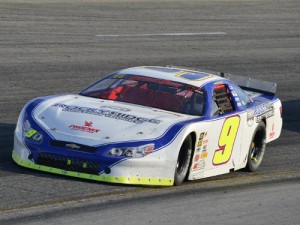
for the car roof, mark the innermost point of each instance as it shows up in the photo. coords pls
(177, 74)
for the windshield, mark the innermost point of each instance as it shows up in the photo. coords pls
(148, 91)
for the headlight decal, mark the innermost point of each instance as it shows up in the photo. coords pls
(32, 135)
(132, 152)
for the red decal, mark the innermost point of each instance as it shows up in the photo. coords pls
(86, 128)
(272, 133)
(88, 124)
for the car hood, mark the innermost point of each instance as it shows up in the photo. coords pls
(93, 121)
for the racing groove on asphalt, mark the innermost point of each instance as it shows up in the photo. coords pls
(48, 48)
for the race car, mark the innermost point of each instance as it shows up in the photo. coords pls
(151, 125)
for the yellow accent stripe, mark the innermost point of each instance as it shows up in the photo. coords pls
(102, 177)
(180, 73)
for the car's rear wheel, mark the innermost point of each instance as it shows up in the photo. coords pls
(183, 161)
(257, 148)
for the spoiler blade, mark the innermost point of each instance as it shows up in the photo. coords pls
(245, 83)
(251, 84)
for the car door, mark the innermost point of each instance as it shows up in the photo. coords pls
(225, 130)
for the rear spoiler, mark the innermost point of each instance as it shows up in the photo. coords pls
(251, 84)
(245, 83)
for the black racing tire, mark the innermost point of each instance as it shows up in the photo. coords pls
(183, 161)
(257, 148)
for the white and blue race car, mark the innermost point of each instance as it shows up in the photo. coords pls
(151, 126)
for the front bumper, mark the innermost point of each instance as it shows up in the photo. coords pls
(142, 171)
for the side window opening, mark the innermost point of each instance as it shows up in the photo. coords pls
(214, 109)
(222, 99)
(245, 100)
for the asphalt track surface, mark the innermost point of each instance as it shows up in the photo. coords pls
(50, 47)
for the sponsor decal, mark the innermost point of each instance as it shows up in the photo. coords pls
(272, 133)
(199, 143)
(204, 155)
(115, 108)
(202, 136)
(239, 104)
(87, 127)
(106, 113)
(199, 162)
(234, 93)
(231, 88)
(201, 140)
(198, 175)
(199, 165)
(265, 110)
(195, 166)
(197, 157)
(262, 111)
(237, 99)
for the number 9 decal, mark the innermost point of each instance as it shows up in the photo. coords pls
(30, 133)
(226, 140)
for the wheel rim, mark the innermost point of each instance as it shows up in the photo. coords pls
(255, 153)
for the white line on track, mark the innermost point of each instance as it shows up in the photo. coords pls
(161, 34)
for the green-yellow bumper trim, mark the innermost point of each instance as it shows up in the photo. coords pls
(102, 177)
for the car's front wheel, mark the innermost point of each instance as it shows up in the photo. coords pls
(257, 148)
(183, 161)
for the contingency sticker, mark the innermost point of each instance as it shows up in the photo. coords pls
(199, 157)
